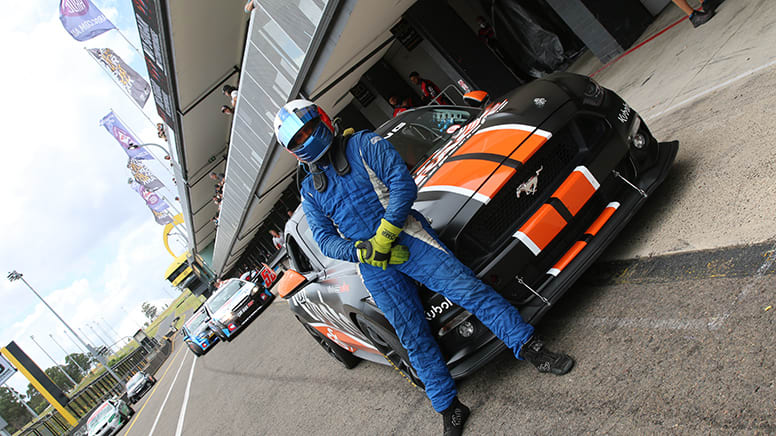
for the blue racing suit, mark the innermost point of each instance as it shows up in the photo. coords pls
(380, 186)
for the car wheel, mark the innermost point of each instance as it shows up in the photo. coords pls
(131, 412)
(388, 344)
(346, 358)
(194, 349)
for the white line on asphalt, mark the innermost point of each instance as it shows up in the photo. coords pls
(651, 324)
(172, 385)
(712, 89)
(179, 430)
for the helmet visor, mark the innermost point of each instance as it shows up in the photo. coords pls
(301, 136)
(293, 121)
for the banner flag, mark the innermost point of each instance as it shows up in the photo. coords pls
(114, 126)
(154, 201)
(82, 19)
(144, 176)
(127, 78)
(162, 218)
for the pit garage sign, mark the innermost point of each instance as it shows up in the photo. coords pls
(6, 369)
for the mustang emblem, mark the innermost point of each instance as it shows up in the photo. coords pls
(530, 185)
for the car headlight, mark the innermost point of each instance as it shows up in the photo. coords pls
(255, 290)
(226, 318)
(594, 94)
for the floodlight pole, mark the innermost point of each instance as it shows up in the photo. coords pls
(13, 276)
(55, 362)
(63, 350)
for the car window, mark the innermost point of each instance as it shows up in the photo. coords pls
(299, 261)
(216, 301)
(416, 134)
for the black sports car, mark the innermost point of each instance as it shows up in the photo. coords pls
(527, 192)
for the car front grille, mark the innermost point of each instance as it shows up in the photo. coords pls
(506, 211)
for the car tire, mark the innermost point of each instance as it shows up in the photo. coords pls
(346, 358)
(194, 349)
(389, 345)
(131, 412)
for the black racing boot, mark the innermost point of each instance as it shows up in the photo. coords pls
(710, 5)
(545, 360)
(699, 18)
(454, 418)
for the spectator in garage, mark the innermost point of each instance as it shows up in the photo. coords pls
(218, 177)
(398, 107)
(363, 213)
(701, 16)
(428, 88)
(277, 239)
(231, 92)
(227, 110)
(290, 213)
(250, 5)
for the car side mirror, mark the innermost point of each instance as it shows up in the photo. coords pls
(291, 282)
(476, 98)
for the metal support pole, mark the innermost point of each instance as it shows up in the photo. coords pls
(83, 371)
(55, 362)
(18, 398)
(12, 276)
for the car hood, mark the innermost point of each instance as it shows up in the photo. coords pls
(484, 154)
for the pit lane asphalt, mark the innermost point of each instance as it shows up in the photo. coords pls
(672, 344)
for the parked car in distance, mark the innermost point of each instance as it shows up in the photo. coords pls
(197, 334)
(109, 417)
(234, 304)
(138, 385)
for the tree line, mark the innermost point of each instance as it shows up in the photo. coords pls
(14, 412)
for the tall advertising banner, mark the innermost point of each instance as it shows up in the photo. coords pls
(161, 217)
(144, 176)
(114, 126)
(152, 40)
(155, 204)
(153, 201)
(82, 19)
(127, 78)
(39, 380)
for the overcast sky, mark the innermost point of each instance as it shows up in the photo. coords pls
(71, 224)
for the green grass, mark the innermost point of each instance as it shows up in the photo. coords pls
(184, 302)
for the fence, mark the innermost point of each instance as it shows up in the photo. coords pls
(86, 400)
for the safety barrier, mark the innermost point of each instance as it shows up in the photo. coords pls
(83, 402)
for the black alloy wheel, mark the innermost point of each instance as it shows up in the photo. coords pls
(346, 358)
(388, 344)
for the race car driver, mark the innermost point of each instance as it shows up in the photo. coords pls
(358, 202)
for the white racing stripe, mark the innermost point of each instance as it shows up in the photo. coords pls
(457, 190)
(179, 430)
(522, 127)
(161, 409)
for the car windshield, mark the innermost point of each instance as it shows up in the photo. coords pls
(105, 411)
(216, 301)
(196, 321)
(137, 378)
(416, 134)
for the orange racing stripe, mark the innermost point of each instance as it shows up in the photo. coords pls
(581, 244)
(541, 228)
(576, 189)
